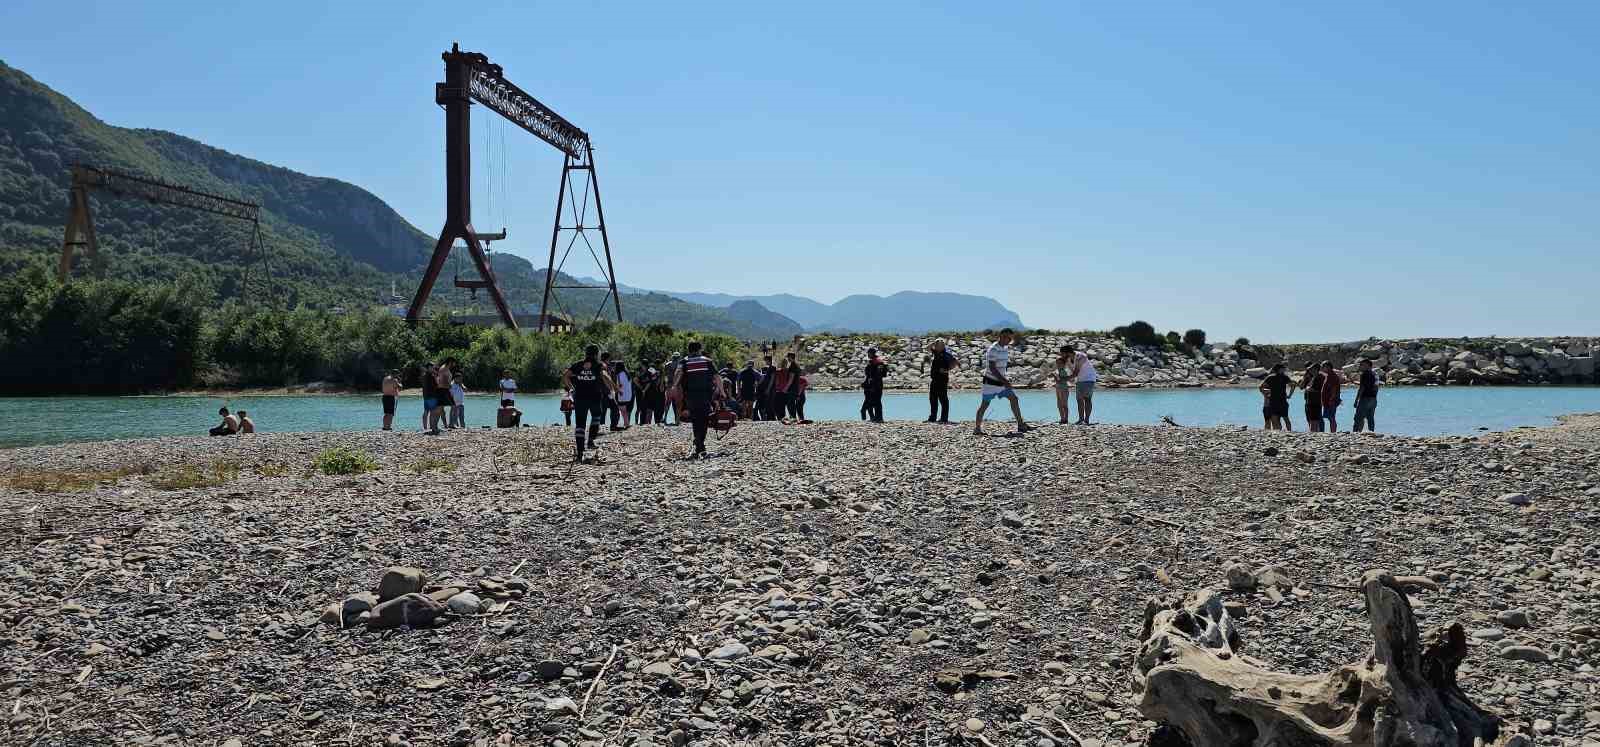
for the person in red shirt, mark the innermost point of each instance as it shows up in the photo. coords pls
(1331, 381)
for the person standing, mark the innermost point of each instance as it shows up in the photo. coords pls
(1276, 389)
(1366, 397)
(441, 393)
(995, 383)
(1311, 392)
(508, 389)
(792, 392)
(430, 395)
(624, 393)
(749, 382)
(670, 394)
(1331, 382)
(591, 385)
(1064, 373)
(611, 400)
(939, 365)
(1084, 378)
(391, 397)
(768, 395)
(800, 400)
(700, 387)
(872, 387)
(643, 388)
(458, 402)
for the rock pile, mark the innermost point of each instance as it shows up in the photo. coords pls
(837, 362)
(406, 598)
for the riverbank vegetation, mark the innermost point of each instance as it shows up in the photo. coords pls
(117, 337)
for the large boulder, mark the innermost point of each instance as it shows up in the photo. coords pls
(399, 581)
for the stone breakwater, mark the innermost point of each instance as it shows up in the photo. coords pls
(838, 584)
(837, 362)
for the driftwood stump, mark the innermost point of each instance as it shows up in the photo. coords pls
(1404, 694)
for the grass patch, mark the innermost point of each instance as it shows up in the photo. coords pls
(71, 481)
(431, 464)
(191, 476)
(343, 460)
(272, 469)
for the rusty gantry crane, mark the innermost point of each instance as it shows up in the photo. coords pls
(80, 219)
(469, 77)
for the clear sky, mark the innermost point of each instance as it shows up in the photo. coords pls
(1322, 172)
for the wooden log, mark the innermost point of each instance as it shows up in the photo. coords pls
(1191, 678)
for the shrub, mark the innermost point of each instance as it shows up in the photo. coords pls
(1139, 333)
(343, 460)
(71, 482)
(1173, 340)
(1242, 342)
(1195, 338)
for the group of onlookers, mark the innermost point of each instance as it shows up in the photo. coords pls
(1322, 388)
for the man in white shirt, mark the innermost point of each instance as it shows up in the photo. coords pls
(508, 389)
(1085, 377)
(995, 383)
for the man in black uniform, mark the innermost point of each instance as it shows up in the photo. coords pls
(1367, 397)
(701, 387)
(590, 384)
(872, 404)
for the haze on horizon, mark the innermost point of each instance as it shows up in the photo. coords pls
(1288, 174)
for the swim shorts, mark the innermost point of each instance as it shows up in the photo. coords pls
(1086, 389)
(1006, 393)
(388, 404)
(430, 403)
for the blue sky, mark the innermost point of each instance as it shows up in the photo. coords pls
(1321, 172)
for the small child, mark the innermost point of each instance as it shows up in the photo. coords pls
(567, 406)
(458, 398)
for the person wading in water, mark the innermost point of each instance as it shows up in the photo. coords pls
(590, 384)
(700, 387)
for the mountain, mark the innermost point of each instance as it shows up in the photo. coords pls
(326, 238)
(906, 312)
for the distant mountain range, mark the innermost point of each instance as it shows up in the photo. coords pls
(906, 312)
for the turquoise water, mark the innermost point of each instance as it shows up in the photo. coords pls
(1421, 411)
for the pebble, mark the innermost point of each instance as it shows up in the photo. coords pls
(731, 651)
(1524, 653)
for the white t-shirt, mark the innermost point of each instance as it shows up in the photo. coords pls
(508, 389)
(1085, 366)
(1000, 356)
(626, 386)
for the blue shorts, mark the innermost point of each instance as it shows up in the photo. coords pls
(1007, 393)
(430, 403)
(1328, 412)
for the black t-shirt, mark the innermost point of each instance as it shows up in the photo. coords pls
(1313, 390)
(1277, 387)
(794, 379)
(1369, 385)
(748, 379)
(876, 372)
(587, 382)
(769, 377)
(940, 367)
(429, 389)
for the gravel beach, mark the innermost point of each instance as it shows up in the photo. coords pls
(827, 584)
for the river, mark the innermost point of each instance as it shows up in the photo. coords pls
(1416, 411)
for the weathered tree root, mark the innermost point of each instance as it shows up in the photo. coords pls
(1404, 694)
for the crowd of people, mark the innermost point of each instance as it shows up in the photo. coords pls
(601, 391)
(1321, 387)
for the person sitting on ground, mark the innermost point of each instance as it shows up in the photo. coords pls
(246, 425)
(508, 416)
(229, 425)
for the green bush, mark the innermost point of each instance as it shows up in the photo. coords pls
(1242, 342)
(1139, 333)
(1195, 338)
(343, 460)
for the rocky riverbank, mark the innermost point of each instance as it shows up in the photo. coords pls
(836, 362)
(834, 584)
